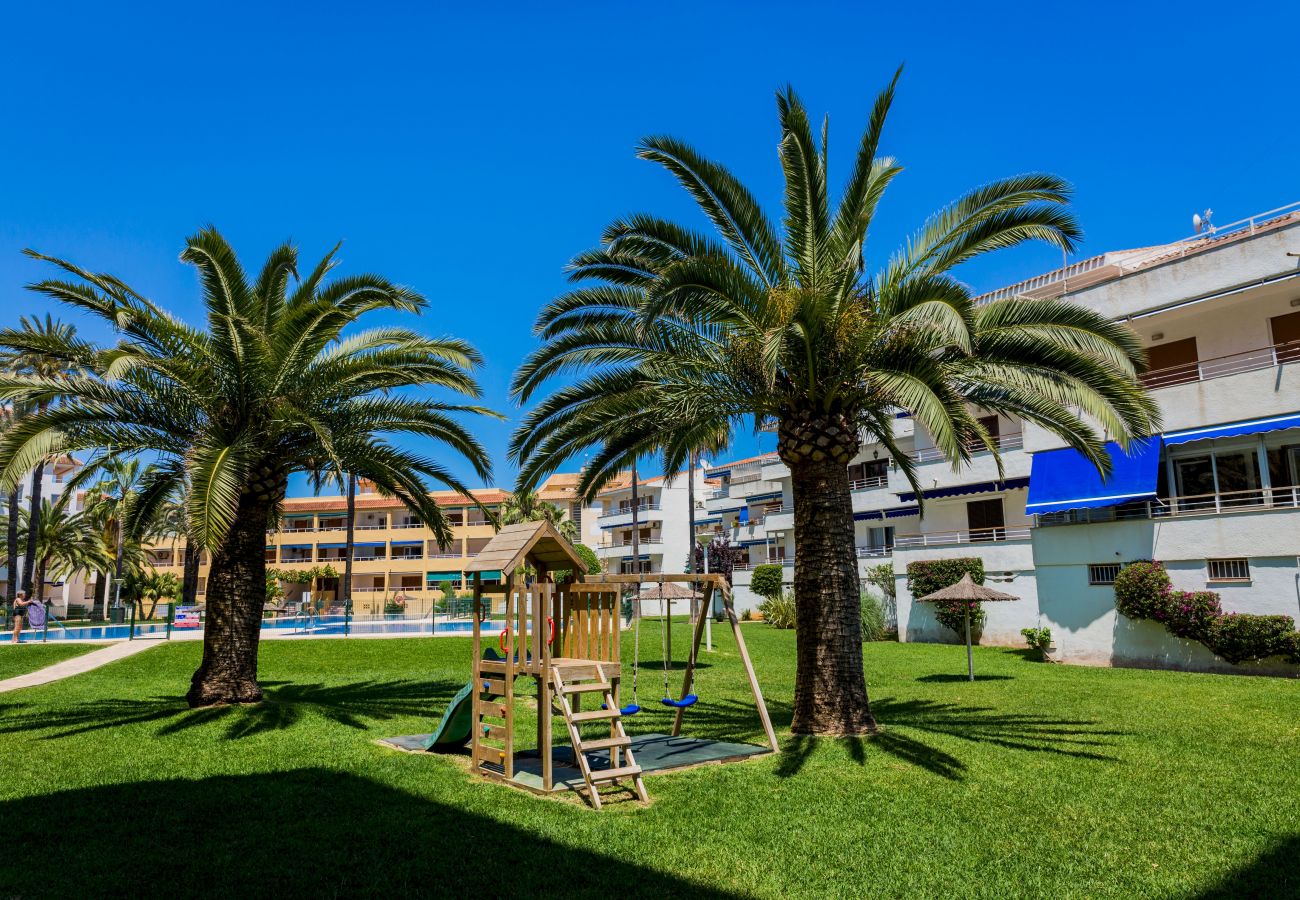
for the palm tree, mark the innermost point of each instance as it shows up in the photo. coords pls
(66, 544)
(109, 502)
(674, 335)
(34, 358)
(527, 506)
(271, 386)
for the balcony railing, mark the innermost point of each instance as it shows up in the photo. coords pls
(1002, 442)
(865, 484)
(975, 536)
(627, 510)
(873, 552)
(1221, 366)
(1222, 503)
(642, 544)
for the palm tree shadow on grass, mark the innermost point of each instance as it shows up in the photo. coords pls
(286, 705)
(1080, 738)
(312, 832)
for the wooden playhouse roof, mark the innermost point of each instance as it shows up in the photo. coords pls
(536, 541)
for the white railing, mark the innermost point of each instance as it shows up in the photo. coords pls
(1003, 442)
(746, 477)
(1062, 275)
(864, 484)
(873, 552)
(1215, 234)
(421, 524)
(627, 510)
(444, 555)
(976, 536)
(649, 542)
(1222, 503)
(396, 556)
(369, 527)
(1221, 366)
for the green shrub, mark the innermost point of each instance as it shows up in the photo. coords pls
(1142, 590)
(746, 615)
(1239, 637)
(1039, 639)
(778, 611)
(874, 623)
(929, 575)
(765, 580)
(1190, 614)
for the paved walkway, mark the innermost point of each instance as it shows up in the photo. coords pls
(78, 664)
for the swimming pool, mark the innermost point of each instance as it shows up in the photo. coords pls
(295, 626)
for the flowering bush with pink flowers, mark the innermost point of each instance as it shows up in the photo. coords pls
(1143, 591)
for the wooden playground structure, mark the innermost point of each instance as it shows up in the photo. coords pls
(566, 637)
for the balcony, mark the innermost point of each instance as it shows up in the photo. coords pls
(866, 484)
(874, 552)
(645, 505)
(651, 545)
(1222, 503)
(1003, 442)
(1222, 366)
(781, 519)
(948, 538)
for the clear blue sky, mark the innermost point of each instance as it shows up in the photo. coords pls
(469, 150)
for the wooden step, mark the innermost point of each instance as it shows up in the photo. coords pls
(490, 708)
(491, 756)
(606, 743)
(587, 687)
(494, 686)
(594, 715)
(615, 774)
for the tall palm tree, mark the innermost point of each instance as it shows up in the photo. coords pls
(66, 544)
(34, 358)
(109, 501)
(674, 334)
(527, 506)
(271, 386)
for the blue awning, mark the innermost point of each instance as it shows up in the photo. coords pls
(868, 515)
(902, 512)
(743, 517)
(1237, 429)
(759, 498)
(401, 544)
(708, 521)
(343, 546)
(958, 490)
(1066, 479)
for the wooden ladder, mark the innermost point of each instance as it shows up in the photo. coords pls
(589, 678)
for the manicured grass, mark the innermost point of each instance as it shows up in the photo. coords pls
(26, 658)
(1036, 780)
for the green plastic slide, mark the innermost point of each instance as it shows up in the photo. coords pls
(453, 728)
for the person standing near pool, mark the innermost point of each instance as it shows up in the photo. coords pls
(19, 612)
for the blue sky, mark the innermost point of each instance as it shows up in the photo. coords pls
(469, 150)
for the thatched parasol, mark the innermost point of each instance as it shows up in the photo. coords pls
(668, 590)
(967, 592)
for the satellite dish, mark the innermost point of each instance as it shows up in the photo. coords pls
(1201, 221)
(1196, 222)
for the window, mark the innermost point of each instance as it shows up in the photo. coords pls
(1228, 569)
(1103, 573)
(985, 521)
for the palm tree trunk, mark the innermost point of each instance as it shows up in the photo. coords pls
(190, 575)
(39, 591)
(236, 595)
(830, 695)
(11, 549)
(101, 592)
(345, 590)
(33, 526)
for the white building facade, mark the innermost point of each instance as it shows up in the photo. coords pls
(659, 520)
(1216, 496)
(54, 481)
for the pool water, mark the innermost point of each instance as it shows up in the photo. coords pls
(298, 626)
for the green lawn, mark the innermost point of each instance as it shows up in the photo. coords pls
(1038, 780)
(26, 658)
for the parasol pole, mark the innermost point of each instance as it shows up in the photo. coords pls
(970, 658)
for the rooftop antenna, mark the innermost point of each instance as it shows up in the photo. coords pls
(1201, 221)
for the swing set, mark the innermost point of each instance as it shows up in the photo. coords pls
(566, 637)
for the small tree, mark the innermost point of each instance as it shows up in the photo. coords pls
(929, 575)
(766, 580)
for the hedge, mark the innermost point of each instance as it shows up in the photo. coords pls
(765, 580)
(1143, 591)
(926, 576)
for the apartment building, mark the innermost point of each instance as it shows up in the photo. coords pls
(1216, 496)
(54, 481)
(663, 541)
(395, 557)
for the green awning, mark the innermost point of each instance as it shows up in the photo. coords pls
(444, 576)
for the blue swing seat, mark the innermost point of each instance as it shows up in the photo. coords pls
(630, 710)
(688, 700)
